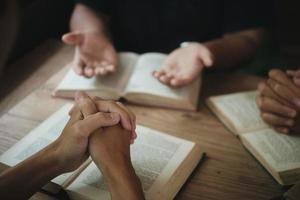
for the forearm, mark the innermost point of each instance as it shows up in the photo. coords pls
(234, 49)
(86, 19)
(26, 178)
(121, 179)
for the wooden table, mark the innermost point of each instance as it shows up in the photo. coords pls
(228, 172)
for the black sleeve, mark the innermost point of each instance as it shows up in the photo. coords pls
(103, 6)
(245, 14)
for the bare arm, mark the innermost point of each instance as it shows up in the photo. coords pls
(23, 180)
(110, 151)
(86, 19)
(235, 48)
(66, 153)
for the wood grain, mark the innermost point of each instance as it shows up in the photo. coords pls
(229, 171)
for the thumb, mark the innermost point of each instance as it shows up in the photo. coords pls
(99, 120)
(207, 57)
(72, 38)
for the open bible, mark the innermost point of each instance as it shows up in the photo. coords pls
(278, 153)
(134, 82)
(162, 162)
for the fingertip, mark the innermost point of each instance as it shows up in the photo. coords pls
(126, 124)
(289, 122)
(111, 68)
(282, 130)
(159, 73)
(89, 72)
(175, 82)
(208, 62)
(134, 134)
(131, 141)
(102, 71)
(164, 79)
(78, 70)
(154, 73)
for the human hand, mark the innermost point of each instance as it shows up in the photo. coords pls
(184, 65)
(87, 116)
(278, 101)
(71, 148)
(94, 53)
(110, 150)
(111, 146)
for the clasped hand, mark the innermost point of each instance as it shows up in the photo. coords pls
(96, 127)
(279, 100)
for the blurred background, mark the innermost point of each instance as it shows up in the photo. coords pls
(33, 22)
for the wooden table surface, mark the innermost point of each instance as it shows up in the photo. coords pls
(228, 172)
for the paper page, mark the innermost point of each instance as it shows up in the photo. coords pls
(37, 139)
(280, 151)
(142, 80)
(116, 81)
(155, 158)
(241, 110)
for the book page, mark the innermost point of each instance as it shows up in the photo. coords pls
(241, 110)
(280, 151)
(37, 139)
(116, 82)
(155, 157)
(142, 80)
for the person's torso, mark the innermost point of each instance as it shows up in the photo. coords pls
(161, 25)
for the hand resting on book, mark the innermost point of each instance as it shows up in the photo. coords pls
(83, 135)
(183, 65)
(279, 102)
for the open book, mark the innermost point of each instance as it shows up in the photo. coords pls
(134, 82)
(278, 153)
(162, 162)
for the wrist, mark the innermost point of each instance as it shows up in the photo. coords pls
(84, 19)
(53, 158)
(202, 50)
(111, 163)
(121, 178)
(114, 167)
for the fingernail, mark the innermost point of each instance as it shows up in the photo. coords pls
(115, 116)
(289, 122)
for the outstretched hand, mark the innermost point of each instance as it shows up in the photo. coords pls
(184, 65)
(94, 53)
